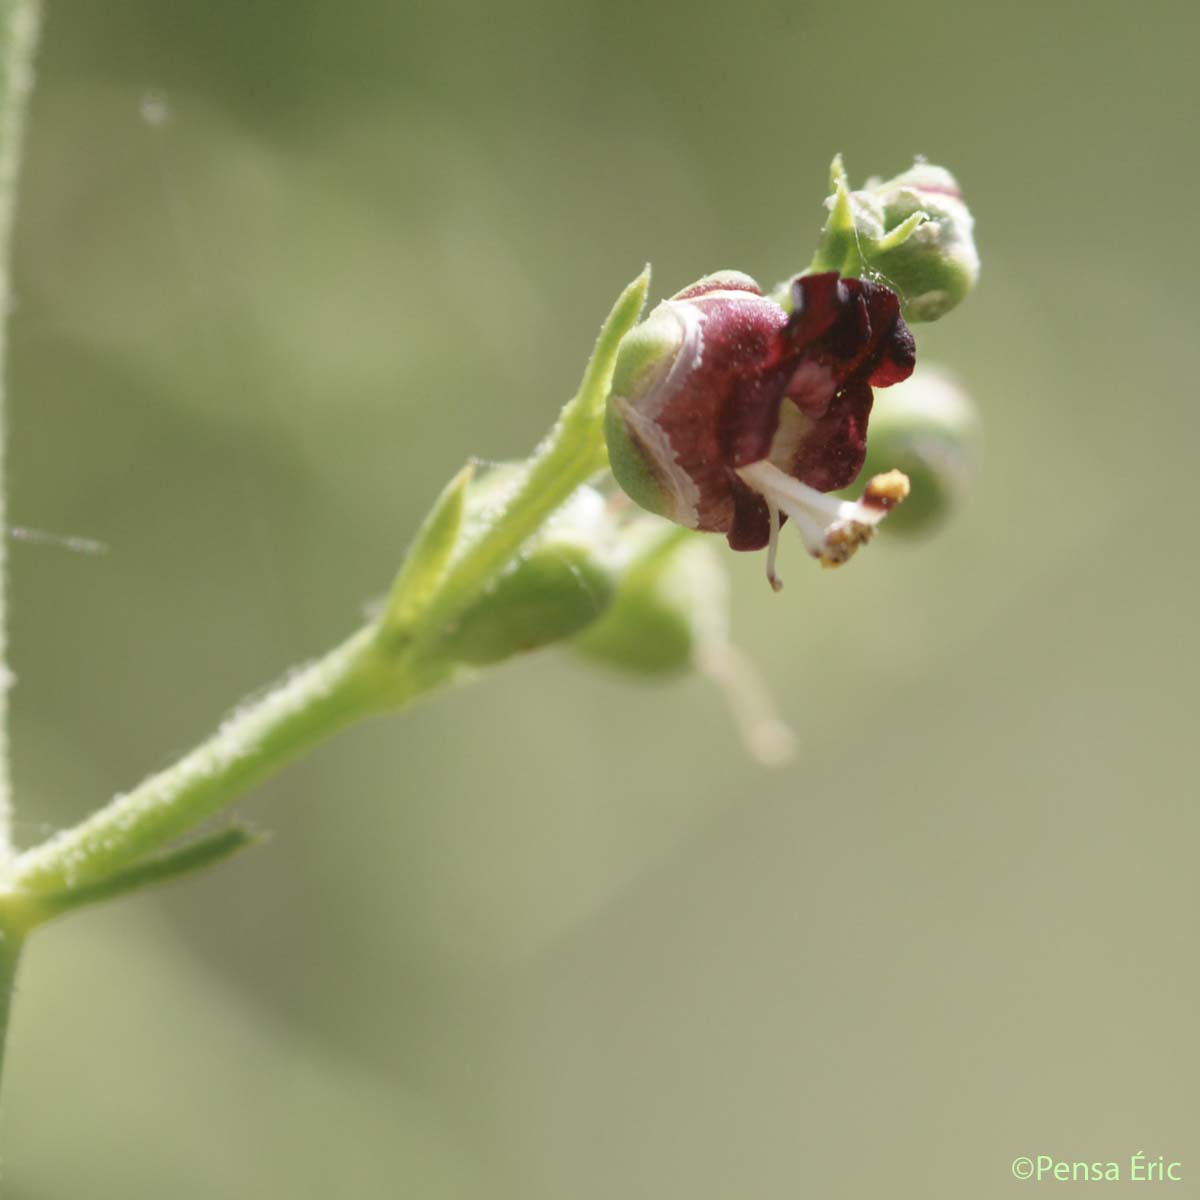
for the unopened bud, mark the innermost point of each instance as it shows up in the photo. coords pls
(558, 586)
(670, 615)
(671, 596)
(914, 233)
(928, 428)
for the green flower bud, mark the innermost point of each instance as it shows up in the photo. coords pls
(670, 615)
(672, 596)
(558, 586)
(913, 233)
(928, 428)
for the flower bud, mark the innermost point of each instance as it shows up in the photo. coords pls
(671, 596)
(913, 232)
(729, 414)
(670, 615)
(558, 586)
(929, 429)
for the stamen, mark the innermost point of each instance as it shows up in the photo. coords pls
(887, 490)
(773, 548)
(831, 529)
(812, 532)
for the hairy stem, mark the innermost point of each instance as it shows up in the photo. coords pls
(380, 667)
(18, 40)
(255, 742)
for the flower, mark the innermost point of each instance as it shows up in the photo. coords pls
(729, 414)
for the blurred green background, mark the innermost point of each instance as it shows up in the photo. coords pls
(554, 935)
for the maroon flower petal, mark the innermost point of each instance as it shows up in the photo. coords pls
(737, 331)
(750, 528)
(751, 383)
(866, 335)
(842, 336)
(817, 301)
(894, 350)
(835, 446)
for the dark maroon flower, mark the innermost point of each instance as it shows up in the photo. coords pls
(729, 414)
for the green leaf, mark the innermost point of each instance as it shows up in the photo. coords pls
(429, 557)
(597, 376)
(205, 852)
(569, 456)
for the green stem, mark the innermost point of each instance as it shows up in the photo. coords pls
(18, 40)
(380, 667)
(255, 742)
(19, 20)
(10, 954)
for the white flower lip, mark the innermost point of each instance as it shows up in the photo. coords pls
(831, 529)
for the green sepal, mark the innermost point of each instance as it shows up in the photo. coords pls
(838, 249)
(646, 354)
